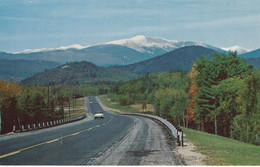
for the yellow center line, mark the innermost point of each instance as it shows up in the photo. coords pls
(47, 142)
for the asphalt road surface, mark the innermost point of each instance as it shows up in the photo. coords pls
(147, 143)
(115, 140)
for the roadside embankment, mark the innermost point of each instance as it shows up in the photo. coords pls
(187, 152)
(220, 150)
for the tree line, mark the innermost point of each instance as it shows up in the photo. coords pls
(21, 104)
(220, 95)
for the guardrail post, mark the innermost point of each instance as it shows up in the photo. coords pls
(34, 127)
(14, 128)
(43, 124)
(22, 128)
(178, 139)
(181, 138)
(28, 127)
(47, 124)
(39, 125)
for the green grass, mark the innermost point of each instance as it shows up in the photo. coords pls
(116, 106)
(223, 151)
(138, 107)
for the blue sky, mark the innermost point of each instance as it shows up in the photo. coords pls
(31, 24)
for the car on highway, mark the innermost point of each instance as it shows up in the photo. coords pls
(99, 115)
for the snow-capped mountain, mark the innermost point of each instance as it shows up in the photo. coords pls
(121, 52)
(148, 45)
(140, 42)
(238, 49)
(74, 46)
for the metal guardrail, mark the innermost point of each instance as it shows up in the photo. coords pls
(77, 118)
(177, 134)
(46, 124)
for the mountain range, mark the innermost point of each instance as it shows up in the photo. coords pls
(81, 72)
(139, 54)
(121, 52)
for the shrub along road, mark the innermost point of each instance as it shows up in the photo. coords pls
(84, 142)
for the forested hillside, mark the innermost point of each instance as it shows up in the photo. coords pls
(252, 54)
(254, 61)
(20, 69)
(79, 72)
(179, 59)
(220, 95)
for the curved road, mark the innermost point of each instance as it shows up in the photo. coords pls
(115, 140)
(147, 143)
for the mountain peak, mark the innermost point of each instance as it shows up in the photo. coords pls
(238, 49)
(139, 38)
(140, 42)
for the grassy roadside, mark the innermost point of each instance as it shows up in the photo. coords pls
(79, 108)
(116, 107)
(138, 107)
(223, 151)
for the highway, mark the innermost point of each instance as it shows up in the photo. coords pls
(73, 143)
(115, 140)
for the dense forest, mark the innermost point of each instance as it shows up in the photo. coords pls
(220, 95)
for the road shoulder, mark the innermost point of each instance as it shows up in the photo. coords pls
(186, 152)
(190, 157)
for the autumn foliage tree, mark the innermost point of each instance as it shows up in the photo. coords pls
(192, 92)
(8, 104)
